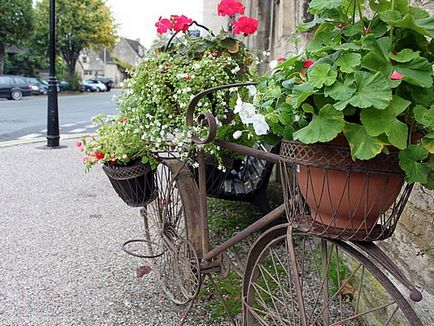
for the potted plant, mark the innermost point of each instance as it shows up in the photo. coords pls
(357, 102)
(126, 159)
(162, 85)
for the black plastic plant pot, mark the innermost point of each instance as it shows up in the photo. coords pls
(215, 177)
(134, 183)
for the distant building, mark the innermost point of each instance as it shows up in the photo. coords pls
(110, 63)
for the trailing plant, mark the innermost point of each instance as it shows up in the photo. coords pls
(366, 75)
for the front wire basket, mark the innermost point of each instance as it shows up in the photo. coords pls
(328, 194)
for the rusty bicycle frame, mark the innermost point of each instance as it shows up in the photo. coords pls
(202, 242)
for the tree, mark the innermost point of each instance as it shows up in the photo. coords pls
(16, 18)
(80, 24)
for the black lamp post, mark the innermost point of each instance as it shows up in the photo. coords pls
(53, 116)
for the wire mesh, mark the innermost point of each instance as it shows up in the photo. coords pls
(328, 194)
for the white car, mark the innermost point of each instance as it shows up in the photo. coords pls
(99, 87)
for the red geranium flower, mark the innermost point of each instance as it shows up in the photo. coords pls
(367, 30)
(245, 25)
(163, 25)
(281, 59)
(180, 23)
(99, 156)
(396, 76)
(230, 8)
(342, 25)
(123, 120)
(308, 63)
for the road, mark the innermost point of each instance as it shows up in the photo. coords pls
(27, 119)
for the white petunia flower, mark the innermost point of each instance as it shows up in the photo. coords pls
(260, 125)
(273, 64)
(237, 134)
(252, 90)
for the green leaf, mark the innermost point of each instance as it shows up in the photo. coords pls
(405, 55)
(339, 91)
(410, 161)
(348, 61)
(428, 144)
(308, 108)
(424, 26)
(324, 127)
(322, 74)
(325, 36)
(288, 133)
(423, 96)
(371, 90)
(417, 72)
(300, 93)
(363, 146)
(383, 5)
(285, 118)
(424, 116)
(377, 122)
(318, 6)
(378, 57)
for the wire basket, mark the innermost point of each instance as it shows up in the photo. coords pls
(328, 194)
(134, 183)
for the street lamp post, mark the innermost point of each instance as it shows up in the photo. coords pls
(53, 110)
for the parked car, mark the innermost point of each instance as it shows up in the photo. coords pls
(87, 86)
(63, 85)
(14, 87)
(38, 88)
(99, 86)
(109, 83)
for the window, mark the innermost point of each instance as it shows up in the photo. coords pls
(84, 59)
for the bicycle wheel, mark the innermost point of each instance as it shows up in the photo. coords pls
(336, 284)
(177, 267)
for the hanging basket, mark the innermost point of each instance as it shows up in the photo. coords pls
(133, 183)
(331, 195)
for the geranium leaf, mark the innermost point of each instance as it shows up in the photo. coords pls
(317, 6)
(410, 161)
(322, 74)
(300, 93)
(324, 37)
(424, 26)
(405, 55)
(377, 122)
(324, 127)
(423, 96)
(428, 144)
(371, 90)
(378, 57)
(363, 146)
(348, 61)
(424, 116)
(417, 72)
(339, 91)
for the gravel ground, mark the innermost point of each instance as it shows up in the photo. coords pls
(61, 261)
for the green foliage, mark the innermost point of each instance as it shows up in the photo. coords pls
(371, 81)
(16, 20)
(74, 81)
(81, 24)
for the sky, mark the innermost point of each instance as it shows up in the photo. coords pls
(136, 18)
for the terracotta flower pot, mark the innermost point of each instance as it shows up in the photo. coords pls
(133, 183)
(342, 193)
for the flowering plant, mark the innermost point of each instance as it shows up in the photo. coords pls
(368, 79)
(163, 84)
(118, 142)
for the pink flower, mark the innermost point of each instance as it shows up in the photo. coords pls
(245, 25)
(180, 23)
(396, 76)
(78, 144)
(308, 63)
(187, 77)
(230, 8)
(367, 30)
(85, 159)
(281, 59)
(123, 120)
(163, 25)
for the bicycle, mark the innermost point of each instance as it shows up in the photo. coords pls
(302, 272)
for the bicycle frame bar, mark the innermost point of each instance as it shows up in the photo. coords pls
(270, 157)
(240, 236)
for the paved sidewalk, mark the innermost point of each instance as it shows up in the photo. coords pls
(61, 231)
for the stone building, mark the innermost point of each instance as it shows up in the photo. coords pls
(412, 246)
(110, 63)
